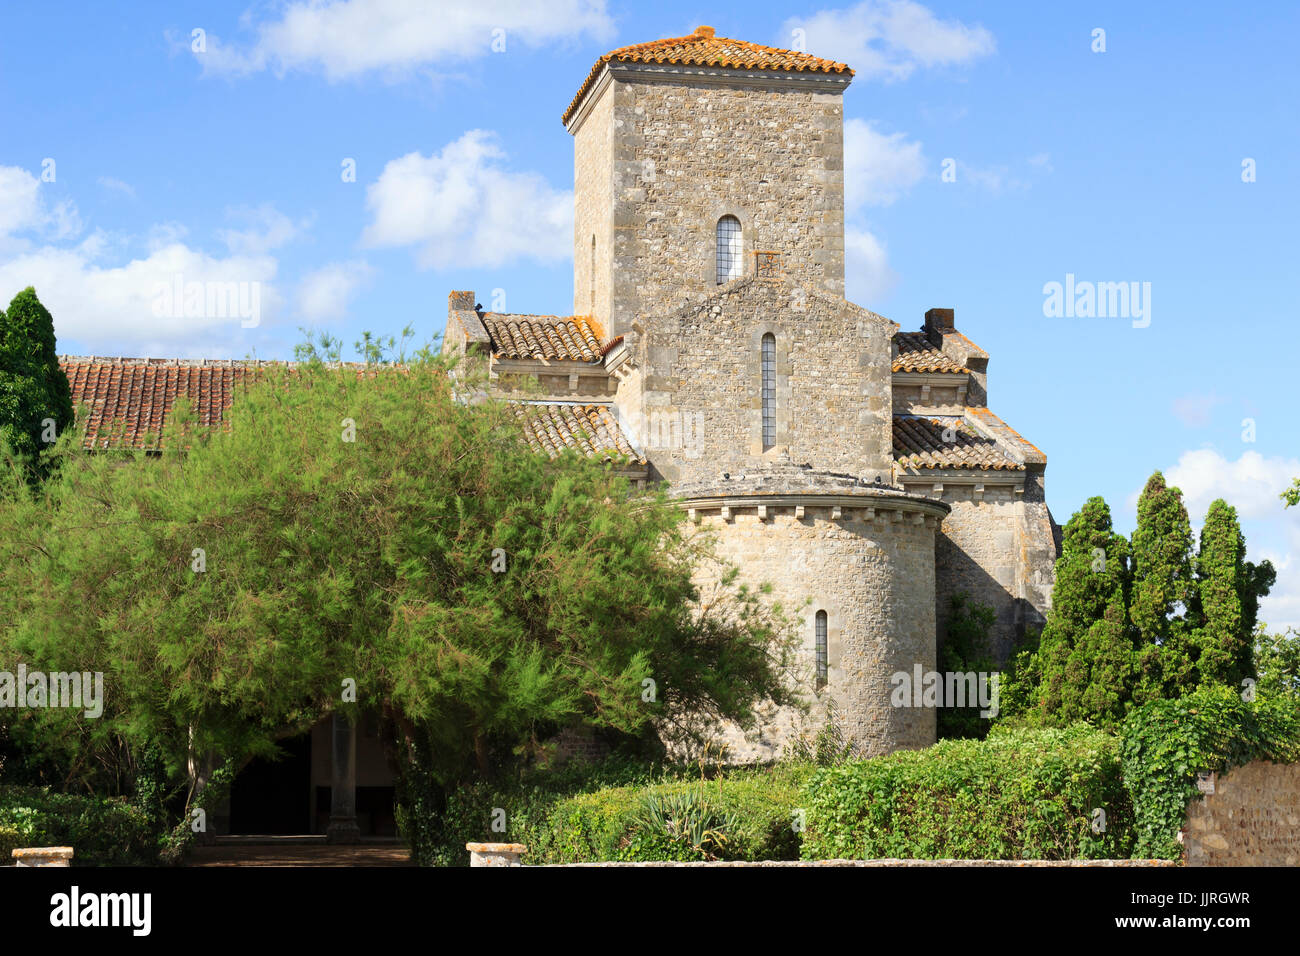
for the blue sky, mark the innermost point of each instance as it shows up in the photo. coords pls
(131, 158)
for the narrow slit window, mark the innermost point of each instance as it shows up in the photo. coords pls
(768, 361)
(822, 658)
(730, 249)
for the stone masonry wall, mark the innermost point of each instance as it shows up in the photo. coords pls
(832, 382)
(593, 200)
(996, 547)
(686, 153)
(875, 580)
(1251, 819)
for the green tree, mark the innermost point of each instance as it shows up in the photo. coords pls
(1085, 656)
(35, 400)
(1292, 495)
(1162, 588)
(1225, 601)
(358, 523)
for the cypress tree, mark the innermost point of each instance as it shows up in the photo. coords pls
(1162, 585)
(1225, 648)
(1086, 652)
(33, 389)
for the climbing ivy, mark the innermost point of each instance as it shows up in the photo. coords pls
(1167, 742)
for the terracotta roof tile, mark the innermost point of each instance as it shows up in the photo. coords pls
(919, 443)
(702, 48)
(916, 353)
(1032, 453)
(552, 337)
(129, 400)
(589, 429)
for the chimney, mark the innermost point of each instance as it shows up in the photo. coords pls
(460, 302)
(937, 323)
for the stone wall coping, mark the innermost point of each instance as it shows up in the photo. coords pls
(495, 847)
(43, 852)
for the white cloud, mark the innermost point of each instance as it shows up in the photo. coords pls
(326, 292)
(110, 309)
(347, 38)
(267, 229)
(461, 208)
(868, 276)
(889, 38)
(878, 167)
(117, 186)
(993, 179)
(20, 200)
(24, 209)
(1194, 410)
(1251, 484)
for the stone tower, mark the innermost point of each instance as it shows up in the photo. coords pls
(667, 144)
(709, 236)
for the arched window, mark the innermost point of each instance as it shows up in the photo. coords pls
(768, 362)
(730, 249)
(822, 658)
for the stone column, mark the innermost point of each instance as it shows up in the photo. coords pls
(495, 854)
(343, 785)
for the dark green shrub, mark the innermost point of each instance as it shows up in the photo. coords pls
(10, 839)
(758, 810)
(965, 648)
(1019, 794)
(438, 825)
(103, 831)
(1167, 742)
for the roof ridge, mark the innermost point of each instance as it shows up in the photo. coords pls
(704, 48)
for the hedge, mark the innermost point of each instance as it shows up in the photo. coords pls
(1019, 794)
(587, 822)
(102, 831)
(1167, 742)
(757, 810)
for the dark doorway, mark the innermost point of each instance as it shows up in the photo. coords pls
(274, 796)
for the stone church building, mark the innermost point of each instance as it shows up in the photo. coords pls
(854, 466)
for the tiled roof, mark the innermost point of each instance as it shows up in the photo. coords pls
(129, 399)
(919, 443)
(551, 337)
(589, 429)
(916, 353)
(1031, 452)
(702, 48)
